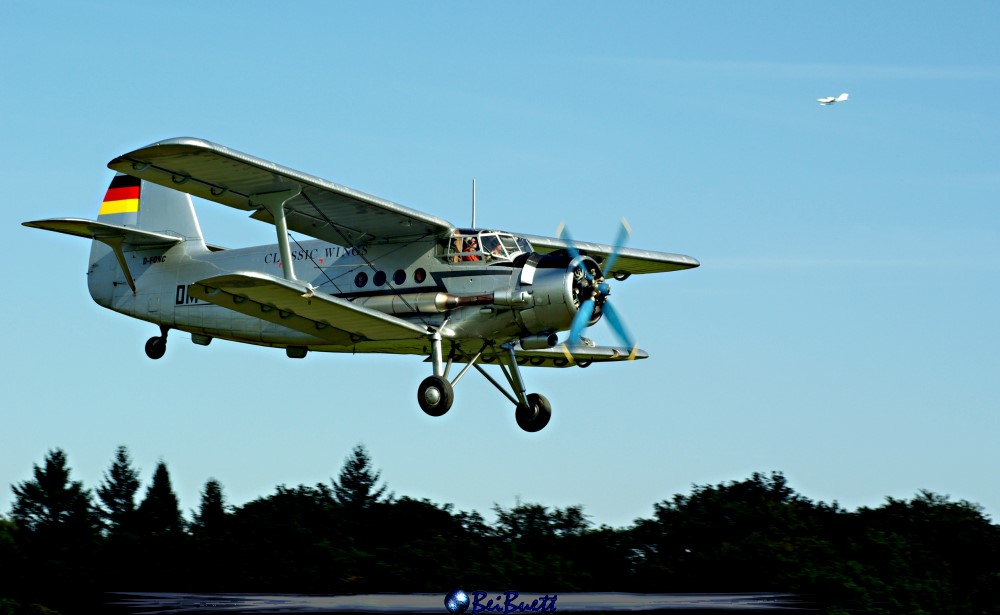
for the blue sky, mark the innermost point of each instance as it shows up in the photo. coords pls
(842, 328)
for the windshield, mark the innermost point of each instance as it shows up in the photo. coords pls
(470, 245)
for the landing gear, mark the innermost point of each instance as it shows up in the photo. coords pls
(436, 393)
(156, 347)
(534, 415)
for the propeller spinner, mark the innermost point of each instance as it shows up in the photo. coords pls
(593, 292)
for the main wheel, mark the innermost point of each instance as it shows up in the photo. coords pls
(535, 415)
(156, 347)
(435, 395)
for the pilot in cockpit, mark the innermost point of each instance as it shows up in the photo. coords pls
(492, 246)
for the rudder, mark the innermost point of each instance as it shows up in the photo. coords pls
(139, 204)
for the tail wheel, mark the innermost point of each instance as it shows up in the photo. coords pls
(534, 416)
(156, 347)
(435, 395)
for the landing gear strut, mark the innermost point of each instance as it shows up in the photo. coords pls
(436, 393)
(157, 346)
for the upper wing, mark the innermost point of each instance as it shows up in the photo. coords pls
(630, 260)
(277, 300)
(323, 210)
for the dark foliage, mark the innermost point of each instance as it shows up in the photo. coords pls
(162, 556)
(355, 487)
(56, 532)
(924, 555)
(117, 508)
(117, 494)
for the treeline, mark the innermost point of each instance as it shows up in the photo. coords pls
(63, 545)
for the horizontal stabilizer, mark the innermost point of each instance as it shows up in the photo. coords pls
(91, 229)
(114, 236)
(294, 305)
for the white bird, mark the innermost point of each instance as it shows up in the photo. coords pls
(829, 100)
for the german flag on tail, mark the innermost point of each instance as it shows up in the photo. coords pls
(122, 196)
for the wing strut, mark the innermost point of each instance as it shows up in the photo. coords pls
(115, 243)
(274, 203)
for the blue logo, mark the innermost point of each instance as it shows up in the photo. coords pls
(457, 601)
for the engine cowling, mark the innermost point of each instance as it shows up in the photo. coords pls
(558, 285)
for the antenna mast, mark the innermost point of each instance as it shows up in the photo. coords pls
(473, 202)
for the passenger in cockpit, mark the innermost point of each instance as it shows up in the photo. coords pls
(471, 245)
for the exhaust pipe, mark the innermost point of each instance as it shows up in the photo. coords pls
(539, 342)
(420, 303)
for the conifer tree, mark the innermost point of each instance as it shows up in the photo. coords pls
(159, 513)
(211, 546)
(210, 519)
(51, 506)
(117, 493)
(355, 488)
(160, 537)
(56, 529)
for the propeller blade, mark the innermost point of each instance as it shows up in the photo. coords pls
(580, 321)
(563, 233)
(618, 326)
(623, 234)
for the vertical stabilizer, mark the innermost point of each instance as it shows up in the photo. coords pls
(132, 202)
(166, 216)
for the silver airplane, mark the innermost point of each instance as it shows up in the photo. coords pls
(363, 275)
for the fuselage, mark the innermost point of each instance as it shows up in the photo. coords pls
(411, 280)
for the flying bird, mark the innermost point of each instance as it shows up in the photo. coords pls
(829, 100)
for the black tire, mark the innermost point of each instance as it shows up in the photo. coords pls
(435, 395)
(535, 415)
(156, 347)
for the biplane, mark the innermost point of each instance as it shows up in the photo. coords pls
(349, 273)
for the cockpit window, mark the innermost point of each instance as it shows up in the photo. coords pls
(469, 245)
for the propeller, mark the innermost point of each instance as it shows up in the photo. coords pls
(594, 293)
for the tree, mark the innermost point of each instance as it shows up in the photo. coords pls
(539, 545)
(56, 530)
(751, 535)
(51, 504)
(212, 566)
(160, 534)
(117, 493)
(928, 555)
(289, 541)
(159, 513)
(10, 561)
(210, 520)
(355, 487)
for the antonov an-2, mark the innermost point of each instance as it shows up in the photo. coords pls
(359, 274)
